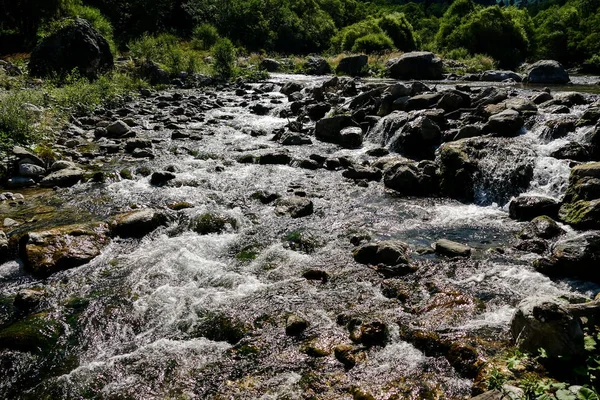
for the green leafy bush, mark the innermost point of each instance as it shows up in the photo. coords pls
(168, 52)
(223, 53)
(373, 43)
(205, 36)
(18, 124)
(397, 28)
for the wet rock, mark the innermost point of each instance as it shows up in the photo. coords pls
(457, 171)
(374, 333)
(452, 249)
(499, 76)
(590, 116)
(134, 144)
(28, 299)
(31, 171)
(526, 207)
(547, 71)
(417, 139)
(577, 256)
(136, 224)
(47, 252)
(117, 129)
(208, 223)
(294, 139)
(23, 154)
(545, 323)
(571, 151)
(265, 197)
(536, 246)
(581, 204)
(318, 111)
(541, 97)
(350, 138)
(61, 164)
(76, 46)
(489, 95)
(295, 207)
(352, 65)
(507, 123)
(453, 100)
(63, 178)
(416, 65)
(390, 252)
(35, 334)
(412, 179)
(290, 87)
(316, 275)
(420, 101)
(329, 129)
(557, 128)
(316, 66)
(348, 355)
(465, 359)
(275, 158)
(160, 178)
(468, 131)
(19, 182)
(4, 249)
(295, 325)
(366, 173)
(542, 227)
(270, 65)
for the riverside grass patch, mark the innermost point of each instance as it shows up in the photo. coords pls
(30, 115)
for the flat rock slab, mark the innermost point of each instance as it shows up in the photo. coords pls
(65, 247)
(452, 249)
(63, 178)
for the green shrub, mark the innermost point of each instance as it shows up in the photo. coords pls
(345, 38)
(205, 36)
(397, 28)
(457, 54)
(223, 54)
(17, 124)
(168, 52)
(373, 43)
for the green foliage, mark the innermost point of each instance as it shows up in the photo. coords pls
(18, 125)
(373, 43)
(168, 52)
(496, 379)
(205, 36)
(499, 33)
(397, 27)
(223, 54)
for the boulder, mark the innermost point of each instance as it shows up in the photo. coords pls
(417, 139)
(574, 257)
(547, 71)
(452, 249)
(160, 178)
(63, 178)
(389, 252)
(53, 250)
(499, 76)
(270, 65)
(581, 205)
(316, 66)
(352, 65)
(31, 171)
(76, 46)
(543, 322)
(542, 227)
(295, 207)
(329, 129)
(526, 208)
(24, 155)
(411, 179)
(416, 65)
(138, 223)
(507, 123)
(350, 137)
(117, 129)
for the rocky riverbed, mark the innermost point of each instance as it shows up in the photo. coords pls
(305, 237)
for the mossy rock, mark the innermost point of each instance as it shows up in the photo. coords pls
(208, 223)
(581, 214)
(37, 333)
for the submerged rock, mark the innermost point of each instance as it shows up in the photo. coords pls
(35, 334)
(295, 207)
(295, 325)
(547, 324)
(53, 250)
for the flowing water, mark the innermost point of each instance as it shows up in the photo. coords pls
(179, 315)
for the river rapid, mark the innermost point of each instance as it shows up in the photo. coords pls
(182, 314)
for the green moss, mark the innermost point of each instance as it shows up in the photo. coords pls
(575, 213)
(33, 334)
(212, 223)
(248, 253)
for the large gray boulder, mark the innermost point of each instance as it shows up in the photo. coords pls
(416, 65)
(352, 65)
(76, 46)
(543, 322)
(547, 71)
(316, 66)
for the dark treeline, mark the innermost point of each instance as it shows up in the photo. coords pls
(511, 31)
